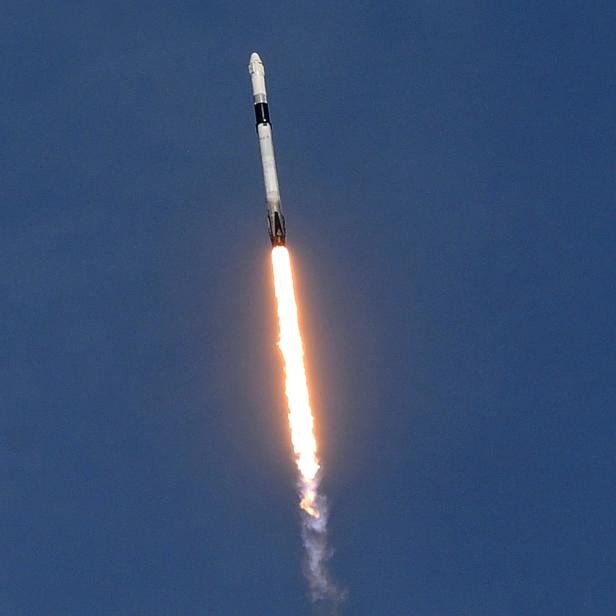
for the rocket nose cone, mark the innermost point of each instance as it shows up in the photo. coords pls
(255, 66)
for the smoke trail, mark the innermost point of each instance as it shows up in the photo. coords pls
(313, 504)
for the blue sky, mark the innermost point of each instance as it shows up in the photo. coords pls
(447, 173)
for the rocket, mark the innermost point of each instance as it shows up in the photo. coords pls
(275, 219)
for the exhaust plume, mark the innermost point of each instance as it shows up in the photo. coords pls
(313, 504)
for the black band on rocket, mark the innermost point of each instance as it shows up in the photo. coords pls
(262, 113)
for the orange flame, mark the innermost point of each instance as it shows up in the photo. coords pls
(296, 387)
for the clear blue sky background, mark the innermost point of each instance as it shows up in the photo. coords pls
(448, 177)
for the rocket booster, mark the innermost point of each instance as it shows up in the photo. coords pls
(275, 219)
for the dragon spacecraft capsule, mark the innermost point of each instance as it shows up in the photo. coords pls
(275, 219)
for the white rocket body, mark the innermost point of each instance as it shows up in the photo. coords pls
(277, 231)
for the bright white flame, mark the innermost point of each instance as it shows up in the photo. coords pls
(314, 526)
(296, 387)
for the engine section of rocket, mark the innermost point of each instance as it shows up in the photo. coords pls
(275, 219)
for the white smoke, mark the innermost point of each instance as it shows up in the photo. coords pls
(318, 552)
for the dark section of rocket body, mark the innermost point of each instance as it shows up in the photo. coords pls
(275, 219)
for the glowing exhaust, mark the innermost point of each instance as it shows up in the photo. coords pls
(301, 422)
